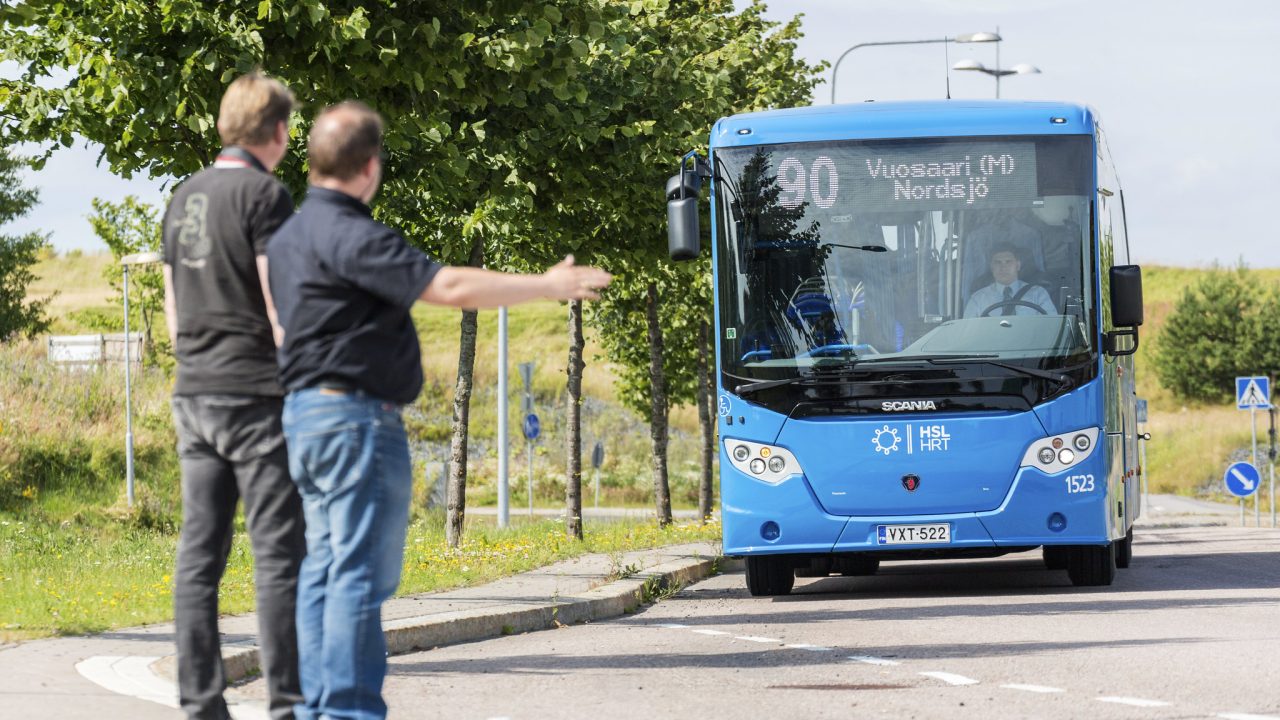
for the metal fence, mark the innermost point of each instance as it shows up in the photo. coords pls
(88, 351)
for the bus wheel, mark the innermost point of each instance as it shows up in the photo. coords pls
(1124, 550)
(1055, 557)
(1091, 565)
(857, 566)
(769, 575)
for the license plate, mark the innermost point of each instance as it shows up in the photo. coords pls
(913, 534)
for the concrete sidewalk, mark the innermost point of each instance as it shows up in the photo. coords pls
(129, 673)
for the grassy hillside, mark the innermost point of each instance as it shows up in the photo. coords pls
(1190, 442)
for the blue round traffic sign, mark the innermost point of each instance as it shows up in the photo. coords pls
(1242, 479)
(531, 427)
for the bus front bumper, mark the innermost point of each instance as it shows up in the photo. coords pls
(764, 519)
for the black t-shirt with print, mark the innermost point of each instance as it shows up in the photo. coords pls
(216, 225)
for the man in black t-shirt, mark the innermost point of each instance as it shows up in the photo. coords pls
(344, 284)
(227, 401)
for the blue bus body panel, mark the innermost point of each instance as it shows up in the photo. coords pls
(965, 463)
(746, 504)
(921, 119)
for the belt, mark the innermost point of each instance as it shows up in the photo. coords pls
(336, 384)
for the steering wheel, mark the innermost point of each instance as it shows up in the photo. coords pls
(1014, 303)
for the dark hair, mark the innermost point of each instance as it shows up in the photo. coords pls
(343, 139)
(1004, 247)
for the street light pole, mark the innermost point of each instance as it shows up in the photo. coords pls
(146, 258)
(965, 38)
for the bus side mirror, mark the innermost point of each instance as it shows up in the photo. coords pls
(1126, 308)
(683, 241)
(1126, 296)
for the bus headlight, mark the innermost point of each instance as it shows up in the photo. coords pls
(767, 463)
(1055, 454)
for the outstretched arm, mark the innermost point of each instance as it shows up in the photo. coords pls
(475, 288)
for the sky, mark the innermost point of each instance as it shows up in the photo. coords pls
(1187, 90)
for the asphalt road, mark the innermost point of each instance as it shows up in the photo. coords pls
(1191, 630)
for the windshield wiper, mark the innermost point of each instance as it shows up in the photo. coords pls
(1059, 378)
(833, 371)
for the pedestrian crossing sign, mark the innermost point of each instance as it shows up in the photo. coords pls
(1253, 393)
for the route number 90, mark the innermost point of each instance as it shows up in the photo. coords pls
(794, 182)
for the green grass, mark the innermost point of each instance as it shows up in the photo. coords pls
(75, 559)
(60, 580)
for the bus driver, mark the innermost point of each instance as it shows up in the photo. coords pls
(1008, 295)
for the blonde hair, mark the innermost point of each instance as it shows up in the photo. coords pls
(251, 108)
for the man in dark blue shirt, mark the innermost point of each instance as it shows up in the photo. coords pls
(343, 285)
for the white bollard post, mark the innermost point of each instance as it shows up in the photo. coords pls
(128, 406)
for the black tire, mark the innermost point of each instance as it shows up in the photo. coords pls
(1124, 550)
(1055, 557)
(769, 575)
(857, 566)
(1091, 565)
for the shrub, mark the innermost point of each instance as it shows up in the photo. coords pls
(1218, 330)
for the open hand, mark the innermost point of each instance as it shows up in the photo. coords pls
(566, 281)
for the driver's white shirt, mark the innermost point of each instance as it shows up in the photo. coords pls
(985, 297)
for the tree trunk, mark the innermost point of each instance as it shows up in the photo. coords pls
(456, 492)
(706, 390)
(573, 473)
(658, 411)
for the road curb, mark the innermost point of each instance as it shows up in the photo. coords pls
(406, 635)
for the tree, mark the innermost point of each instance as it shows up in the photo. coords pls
(706, 60)
(129, 227)
(1216, 332)
(478, 97)
(18, 253)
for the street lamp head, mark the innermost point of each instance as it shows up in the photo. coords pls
(969, 65)
(1025, 69)
(144, 258)
(978, 37)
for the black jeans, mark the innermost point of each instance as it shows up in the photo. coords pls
(232, 447)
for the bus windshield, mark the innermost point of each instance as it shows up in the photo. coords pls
(868, 251)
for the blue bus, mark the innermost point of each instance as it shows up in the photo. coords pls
(925, 321)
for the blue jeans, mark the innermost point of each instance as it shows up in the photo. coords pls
(349, 456)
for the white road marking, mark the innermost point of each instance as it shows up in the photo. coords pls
(672, 626)
(1245, 716)
(701, 631)
(1033, 688)
(873, 660)
(132, 676)
(757, 639)
(810, 648)
(950, 678)
(1135, 702)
